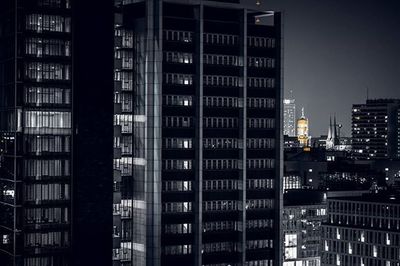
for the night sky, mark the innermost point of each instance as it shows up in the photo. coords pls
(334, 50)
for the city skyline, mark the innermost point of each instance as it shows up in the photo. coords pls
(334, 51)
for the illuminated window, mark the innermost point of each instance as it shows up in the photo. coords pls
(337, 233)
(290, 252)
(40, 23)
(290, 240)
(387, 239)
(6, 239)
(375, 251)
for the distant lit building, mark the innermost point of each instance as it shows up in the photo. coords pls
(302, 130)
(375, 133)
(362, 230)
(344, 144)
(289, 117)
(322, 169)
(398, 133)
(303, 214)
(290, 142)
(319, 142)
(292, 180)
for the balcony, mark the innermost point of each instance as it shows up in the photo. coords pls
(117, 197)
(117, 108)
(117, 130)
(117, 85)
(117, 153)
(117, 175)
(117, 63)
(118, 42)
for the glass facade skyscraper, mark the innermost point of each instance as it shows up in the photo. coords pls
(197, 134)
(36, 129)
(55, 162)
(139, 133)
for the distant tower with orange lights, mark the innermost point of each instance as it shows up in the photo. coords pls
(302, 129)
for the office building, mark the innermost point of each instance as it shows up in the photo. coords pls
(304, 211)
(56, 133)
(289, 117)
(197, 134)
(362, 230)
(375, 129)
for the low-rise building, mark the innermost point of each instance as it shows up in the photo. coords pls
(362, 230)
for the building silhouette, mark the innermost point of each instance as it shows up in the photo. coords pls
(56, 132)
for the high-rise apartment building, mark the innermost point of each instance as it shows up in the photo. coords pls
(289, 117)
(362, 230)
(56, 132)
(375, 129)
(197, 134)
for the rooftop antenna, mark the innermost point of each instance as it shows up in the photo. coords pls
(367, 93)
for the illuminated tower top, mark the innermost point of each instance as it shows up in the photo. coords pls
(302, 129)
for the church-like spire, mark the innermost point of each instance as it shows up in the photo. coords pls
(330, 140)
(334, 137)
(330, 129)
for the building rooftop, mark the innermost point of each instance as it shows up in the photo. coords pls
(381, 197)
(301, 197)
(372, 101)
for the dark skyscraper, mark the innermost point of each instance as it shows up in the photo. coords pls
(56, 132)
(197, 134)
(139, 133)
(375, 129)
